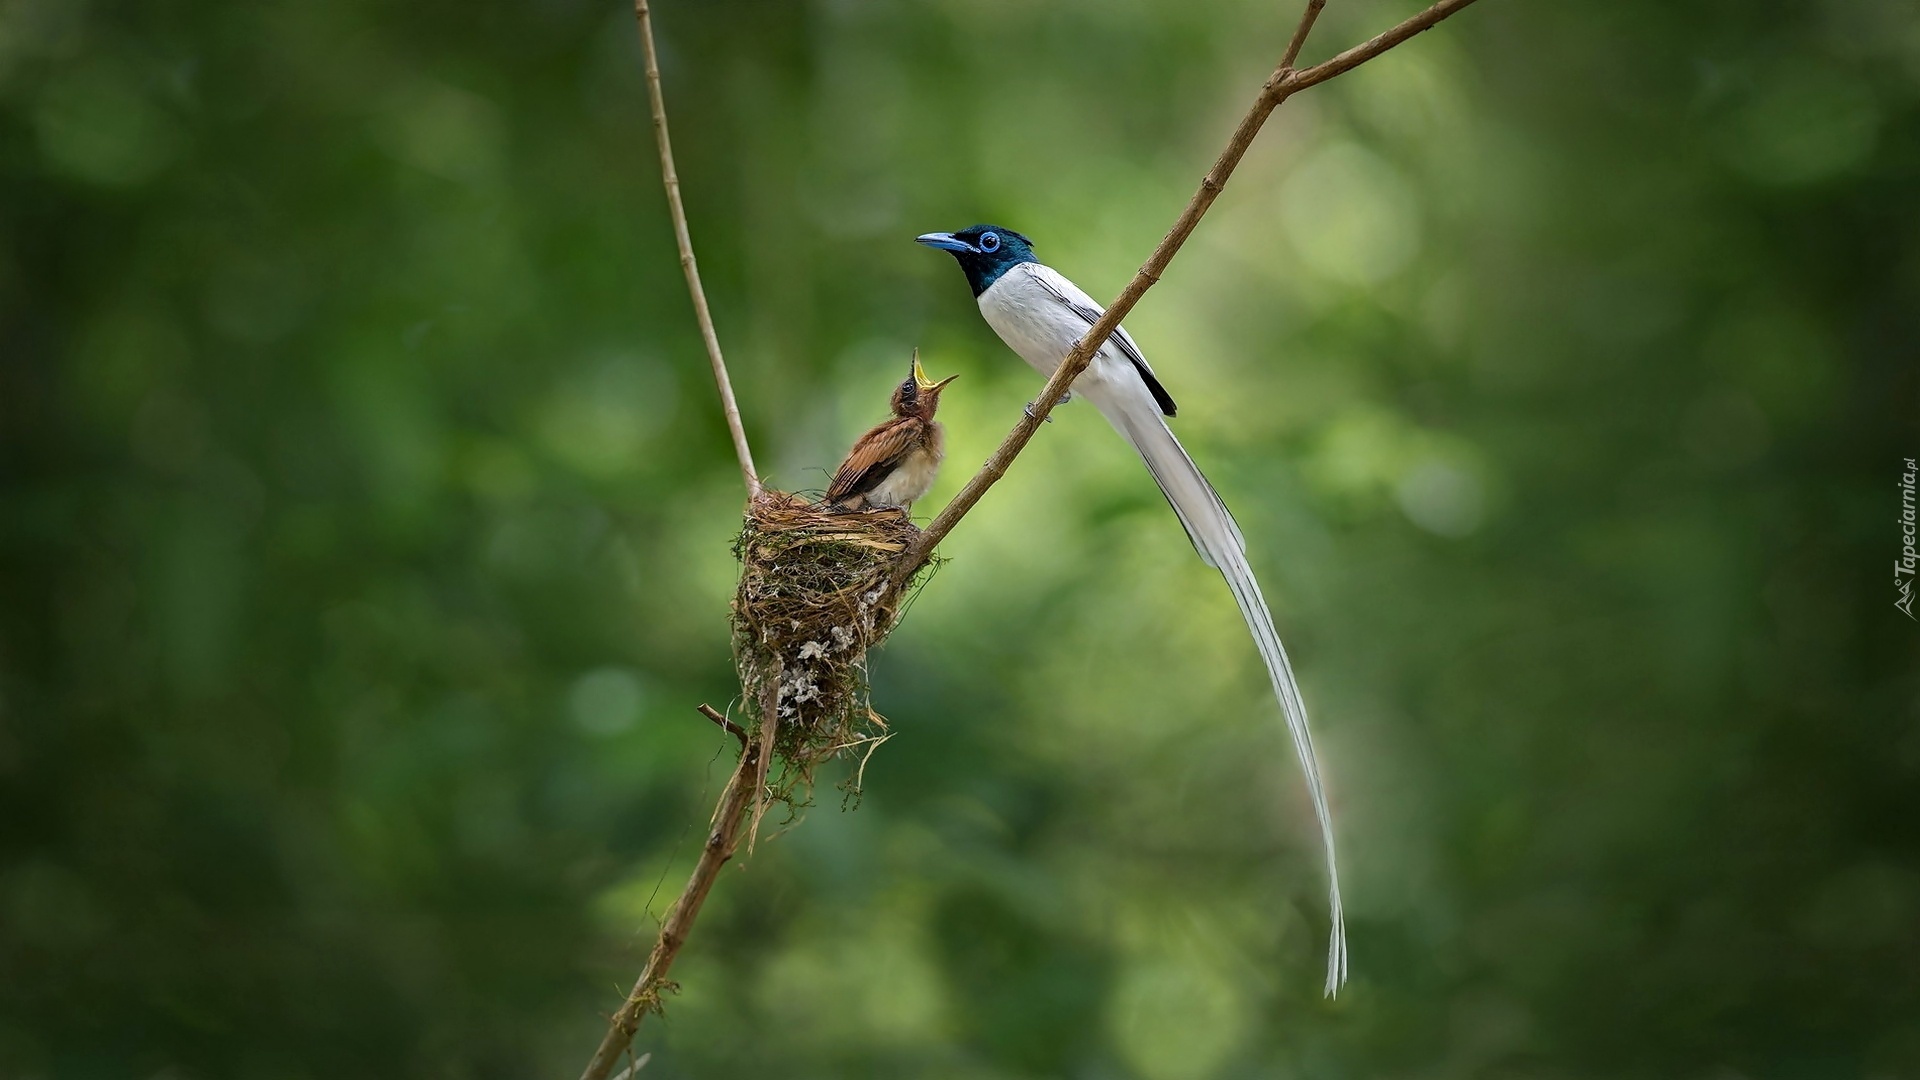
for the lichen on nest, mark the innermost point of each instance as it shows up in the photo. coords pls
(815, 594)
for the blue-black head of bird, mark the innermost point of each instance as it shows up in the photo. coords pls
(918, 395)
(984, 252)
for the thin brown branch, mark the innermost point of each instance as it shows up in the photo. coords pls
(1371, 48)
(723, 838)
(769, 730)
(1282, 84)
(1300, 33)
(725, 724)
(685, 240)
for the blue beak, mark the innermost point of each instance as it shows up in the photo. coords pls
(945, 241)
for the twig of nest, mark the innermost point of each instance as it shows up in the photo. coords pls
(816, 592)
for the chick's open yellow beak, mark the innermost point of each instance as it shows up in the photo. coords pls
(926, 385)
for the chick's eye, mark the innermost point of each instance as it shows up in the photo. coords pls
(989, 241)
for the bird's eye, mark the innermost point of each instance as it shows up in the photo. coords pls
(989, 241)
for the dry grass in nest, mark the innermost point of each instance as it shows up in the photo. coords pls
(814, 597)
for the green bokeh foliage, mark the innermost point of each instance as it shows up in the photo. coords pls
(365, 522)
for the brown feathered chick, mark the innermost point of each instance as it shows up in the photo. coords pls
(895, 463)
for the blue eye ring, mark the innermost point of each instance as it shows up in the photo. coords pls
(989, 241)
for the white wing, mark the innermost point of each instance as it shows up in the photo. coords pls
(1070, 296)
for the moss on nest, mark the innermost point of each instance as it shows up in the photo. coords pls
(814, 596)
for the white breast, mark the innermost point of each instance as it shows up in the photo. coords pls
(914, 476)
(1036, 325)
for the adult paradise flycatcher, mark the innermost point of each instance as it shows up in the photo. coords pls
(1040, 314)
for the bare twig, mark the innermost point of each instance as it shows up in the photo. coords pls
(726, 725)
(1282, 84)
(1369, 49)
(1300, 33)
(723, 838)
(685, 241)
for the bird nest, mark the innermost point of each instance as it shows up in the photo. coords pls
(816, 592)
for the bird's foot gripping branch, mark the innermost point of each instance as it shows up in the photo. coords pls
(816, 593)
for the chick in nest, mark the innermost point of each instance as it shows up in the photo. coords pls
(895, 463)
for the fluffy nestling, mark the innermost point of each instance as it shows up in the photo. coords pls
(896, 462)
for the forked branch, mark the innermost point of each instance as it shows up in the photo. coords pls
(1285, 81)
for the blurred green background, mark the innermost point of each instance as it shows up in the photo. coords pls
(367, 509)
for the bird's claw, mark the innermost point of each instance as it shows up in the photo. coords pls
(1030, 407)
